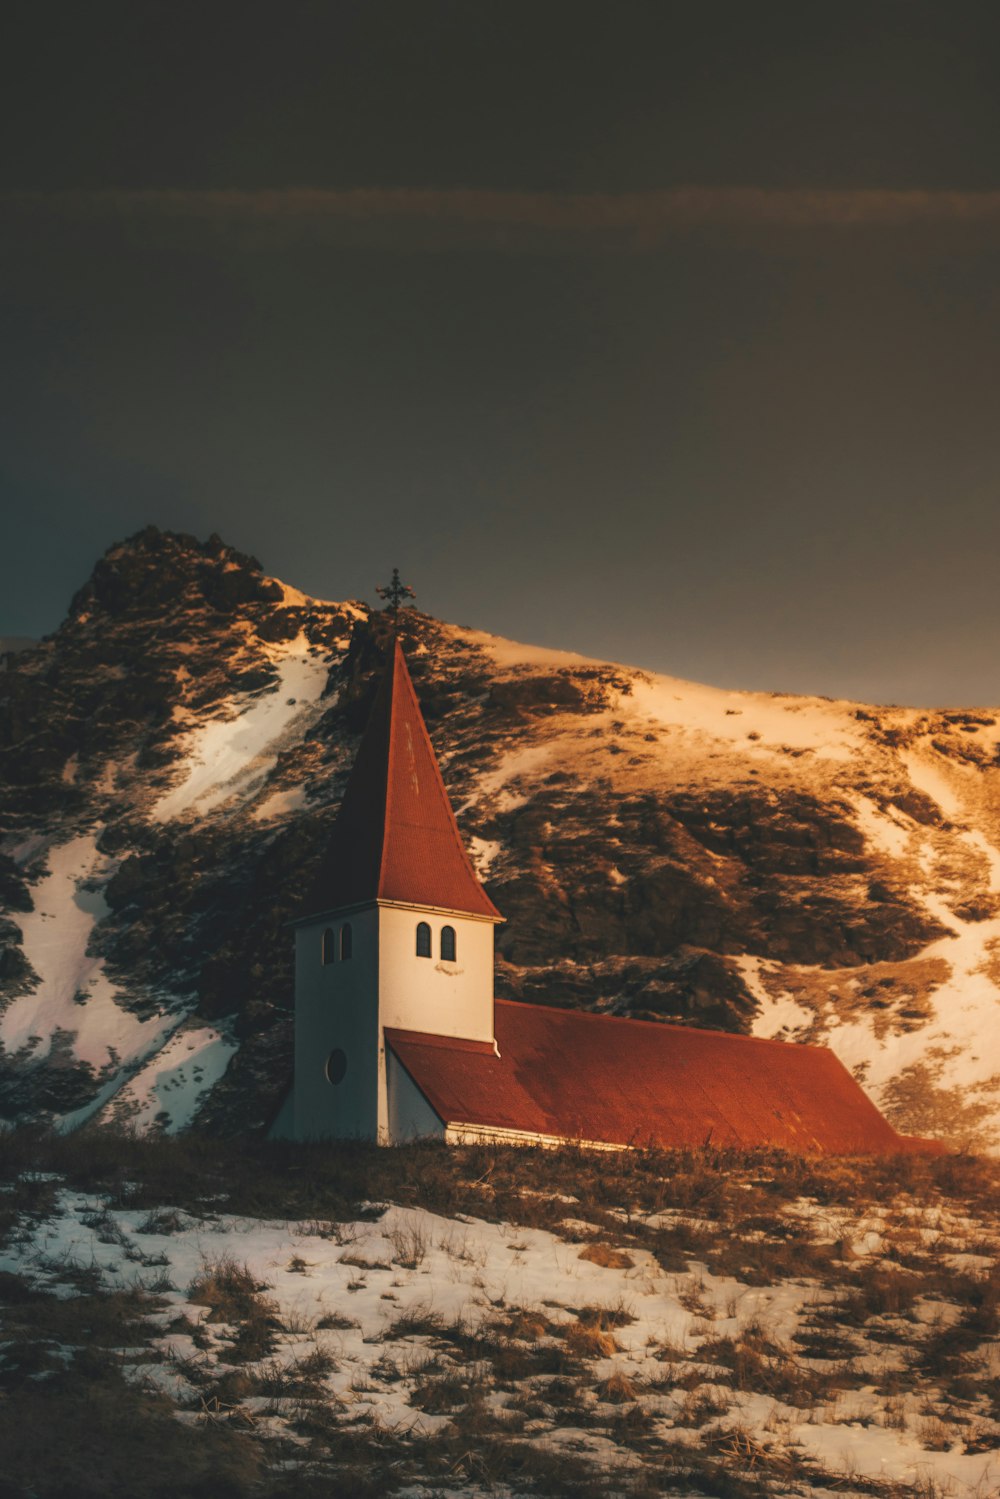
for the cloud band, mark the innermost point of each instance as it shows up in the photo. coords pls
(440, 219)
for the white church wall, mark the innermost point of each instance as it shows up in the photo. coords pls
(429, 994)
(410, 1115)
(344, 1006)
(336, 1011)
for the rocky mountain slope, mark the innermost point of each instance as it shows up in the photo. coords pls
(172, 758)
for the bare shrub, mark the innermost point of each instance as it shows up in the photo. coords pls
(418, 1321)
(161, 1221)
(335, 1322)
(935, 1436)
(106, 1227)
(302, 1377)
(589, 1340)
(233, 1295)
(692, 1298)
(894, 1414)
(755, 1363)
(524, 1325)
(358, 1262)
(599, 1253)
(616, 1314)
(445, 1393)
(880, 1292)
(409, 1246)
(700, 1405)
(616, 1389)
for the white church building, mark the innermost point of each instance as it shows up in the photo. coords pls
(398, 1034)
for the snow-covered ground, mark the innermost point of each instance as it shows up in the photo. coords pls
(389, 1311)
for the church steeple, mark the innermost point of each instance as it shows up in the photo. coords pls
(396, 839)
(399, 933)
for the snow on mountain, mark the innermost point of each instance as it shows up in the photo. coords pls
(173, 758)
(225, 757)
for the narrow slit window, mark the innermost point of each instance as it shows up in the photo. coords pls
(346, 941)
(423, 940)
(329, 946)
(448, 944)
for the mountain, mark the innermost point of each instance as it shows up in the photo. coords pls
(171, 761)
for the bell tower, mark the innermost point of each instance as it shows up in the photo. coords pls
(399, 931)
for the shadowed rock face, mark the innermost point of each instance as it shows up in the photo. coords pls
(643, 837)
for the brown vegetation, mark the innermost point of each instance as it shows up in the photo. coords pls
(260, 1394)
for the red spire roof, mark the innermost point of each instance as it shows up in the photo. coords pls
(395, 837)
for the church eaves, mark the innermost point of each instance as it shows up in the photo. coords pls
(396, 838)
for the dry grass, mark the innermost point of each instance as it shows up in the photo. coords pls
(233, 1295)
(617, 1389)
(753, 1362)
(525, 1325)
(228, 1289)
(589, 1340)
(760, 1217)
(330, 1183)
(409, 1247)
(607, 1256)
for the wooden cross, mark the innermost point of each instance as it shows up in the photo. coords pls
(394, 593)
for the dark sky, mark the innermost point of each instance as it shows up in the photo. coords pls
(664, 332)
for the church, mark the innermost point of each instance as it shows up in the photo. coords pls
(398, 1035)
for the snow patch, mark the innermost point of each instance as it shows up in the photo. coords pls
(168, 1090)
(777, 1019)
(74, 996)
(798, 723)
(280, 803)
(484, 851)
(930, 779)
(515, 764)
(463, 1270)
(883, 830)
(228, 757)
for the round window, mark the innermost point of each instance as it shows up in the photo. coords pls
(336, 1066)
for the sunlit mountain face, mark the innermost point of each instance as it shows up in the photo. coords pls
(173, 758)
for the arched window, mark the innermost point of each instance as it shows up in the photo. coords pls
(346, 940)
(448, 944)
(423, 940)
(329, 946)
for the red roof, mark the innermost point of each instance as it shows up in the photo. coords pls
(634, 1082)
(395, 837)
